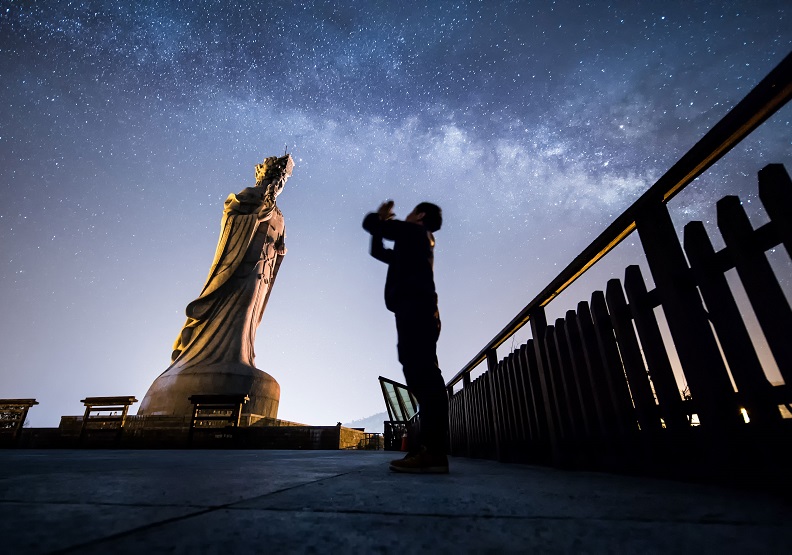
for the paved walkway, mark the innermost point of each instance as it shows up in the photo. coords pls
(146, 502)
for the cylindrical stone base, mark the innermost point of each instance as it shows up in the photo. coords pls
(169, 394)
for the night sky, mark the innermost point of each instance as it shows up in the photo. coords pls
(124, 126)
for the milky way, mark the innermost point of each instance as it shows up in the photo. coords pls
(124, 126)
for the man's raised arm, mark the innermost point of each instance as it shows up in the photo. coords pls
(382, 223)
(379, 251)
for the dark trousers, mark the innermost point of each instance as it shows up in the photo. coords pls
(418, 330)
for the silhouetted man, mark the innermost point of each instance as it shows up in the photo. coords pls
(410, 295)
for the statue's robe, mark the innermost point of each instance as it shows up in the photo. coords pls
(214, 352)
(221, 323)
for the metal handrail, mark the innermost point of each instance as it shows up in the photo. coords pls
(772, 93)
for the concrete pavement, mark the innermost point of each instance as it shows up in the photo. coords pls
(142, 502)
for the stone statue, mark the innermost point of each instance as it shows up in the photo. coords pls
(214, 353)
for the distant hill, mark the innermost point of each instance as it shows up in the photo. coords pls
(373, 423)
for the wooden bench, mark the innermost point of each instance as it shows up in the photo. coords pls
(105, 416)
(13, 413)
(216, 413)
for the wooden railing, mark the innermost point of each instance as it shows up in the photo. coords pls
(586, 387)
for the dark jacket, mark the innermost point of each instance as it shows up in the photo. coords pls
(410, 282)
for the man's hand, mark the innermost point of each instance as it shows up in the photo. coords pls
(385, 211)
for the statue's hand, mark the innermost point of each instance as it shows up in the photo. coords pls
(385, 211)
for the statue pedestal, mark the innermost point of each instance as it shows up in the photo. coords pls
(169, 394)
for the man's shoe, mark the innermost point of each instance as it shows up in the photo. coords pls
(407, 455)
(421, 462)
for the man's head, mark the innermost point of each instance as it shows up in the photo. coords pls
(427, 214)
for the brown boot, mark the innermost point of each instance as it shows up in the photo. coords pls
(422, 462)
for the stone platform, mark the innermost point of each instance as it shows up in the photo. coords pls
(114, 501)
(169, 432)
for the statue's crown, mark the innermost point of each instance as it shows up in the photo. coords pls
(275, 167)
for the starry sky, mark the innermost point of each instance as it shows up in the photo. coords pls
(124, 126)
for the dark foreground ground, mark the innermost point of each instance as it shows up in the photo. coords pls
(143, 502)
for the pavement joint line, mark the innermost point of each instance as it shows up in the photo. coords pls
(513, 517)
(231, 506)
(111, 504)
(171, 505)
(151, 525)
(78, 547)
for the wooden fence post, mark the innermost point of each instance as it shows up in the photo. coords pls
(538, 327)
(746, 369)
(614, 369)
(775, 191)
(457, 429)
(593, 424)
(475, 418)
(467, 406)
(529, 410)
(767, 299)
(592, 356)
(538, 424)
(695, 344)
(520, 406)
(561, 414)
(579, 424)
(492, 366)
(638, 379)
(486, 427)
(660, 371)
(509, 406)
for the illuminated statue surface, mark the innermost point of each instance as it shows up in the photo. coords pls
(214, 352)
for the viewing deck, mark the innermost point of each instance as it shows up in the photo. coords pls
(264, 501)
